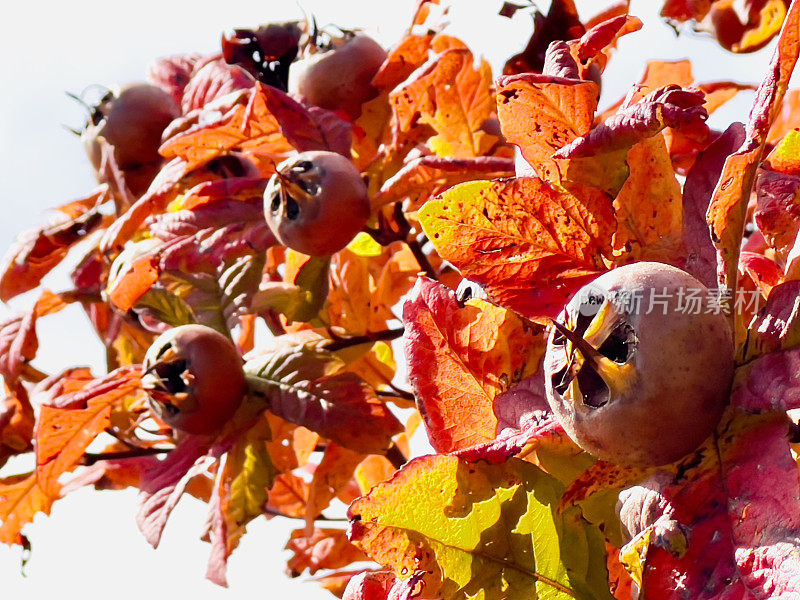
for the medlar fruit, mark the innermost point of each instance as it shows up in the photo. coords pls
(194, 379)
(131, 119)
(338, 76)
(639, 365)
(316, 202)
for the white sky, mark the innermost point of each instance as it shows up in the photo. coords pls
(91, 545)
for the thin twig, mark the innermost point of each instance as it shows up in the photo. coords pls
(396, 457)
(90, 458)
(31, 374)
(340, 343)
(276, 513)
(397, 393)
(422, 259)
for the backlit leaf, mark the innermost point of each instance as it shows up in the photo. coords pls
(479, 530)
(36, 252)
(324, 548)
(240, 495)
(460, 359)
(302, 385)
(541, 114)
(528, 243)
(725, 527)
(777, 213)
(728, 208)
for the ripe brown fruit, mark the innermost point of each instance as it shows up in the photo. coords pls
(130, 119)
(338, 77)
(634, 374)
(316, 202)
(194, 379)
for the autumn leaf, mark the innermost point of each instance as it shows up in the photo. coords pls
(649, 207)
(777, 213)
(540, 114)
(454, 99)
(480, 528)
(725, 526)
(240, 494)
(380, 585)
(250, 128)
(463, 104)
(16, 423)
(402, 60)
(64, 430)
(288, 496)
(528, 243)
(324, 548)
(333, 473)
(21, 499)
(424, 177)
(460, 359)
(163, 483)
(67, 425)
(212, 79)
(601, 157)
(36, 252)
(745, 30)
(697, 192)
(728, 208)
(303, 385)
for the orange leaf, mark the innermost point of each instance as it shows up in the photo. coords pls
(460, 359)
(528, 243)
(322, 549)
(463, 103)
(541, 114)
(402, 60)
(64, 430)
(249, 128)
(331, 476)
(16, 423)
(36, 252)
(649, 207)
(135, 283)
(21, 498)
(289, 495)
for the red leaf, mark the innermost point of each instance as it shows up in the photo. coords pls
(36, 252)
(165, 481)
(728, 209)
(670, 106)
(768, 384)
(460, 359)
(427, 176)
(726, 527)
(213, 79)
(697, 192)
(172, 73)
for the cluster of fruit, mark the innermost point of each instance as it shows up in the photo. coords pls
(301, 181)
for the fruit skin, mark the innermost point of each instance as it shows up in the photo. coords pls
(194, 378)
(131, 119)
(338, 79)
(316, 203)
(665, 391)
